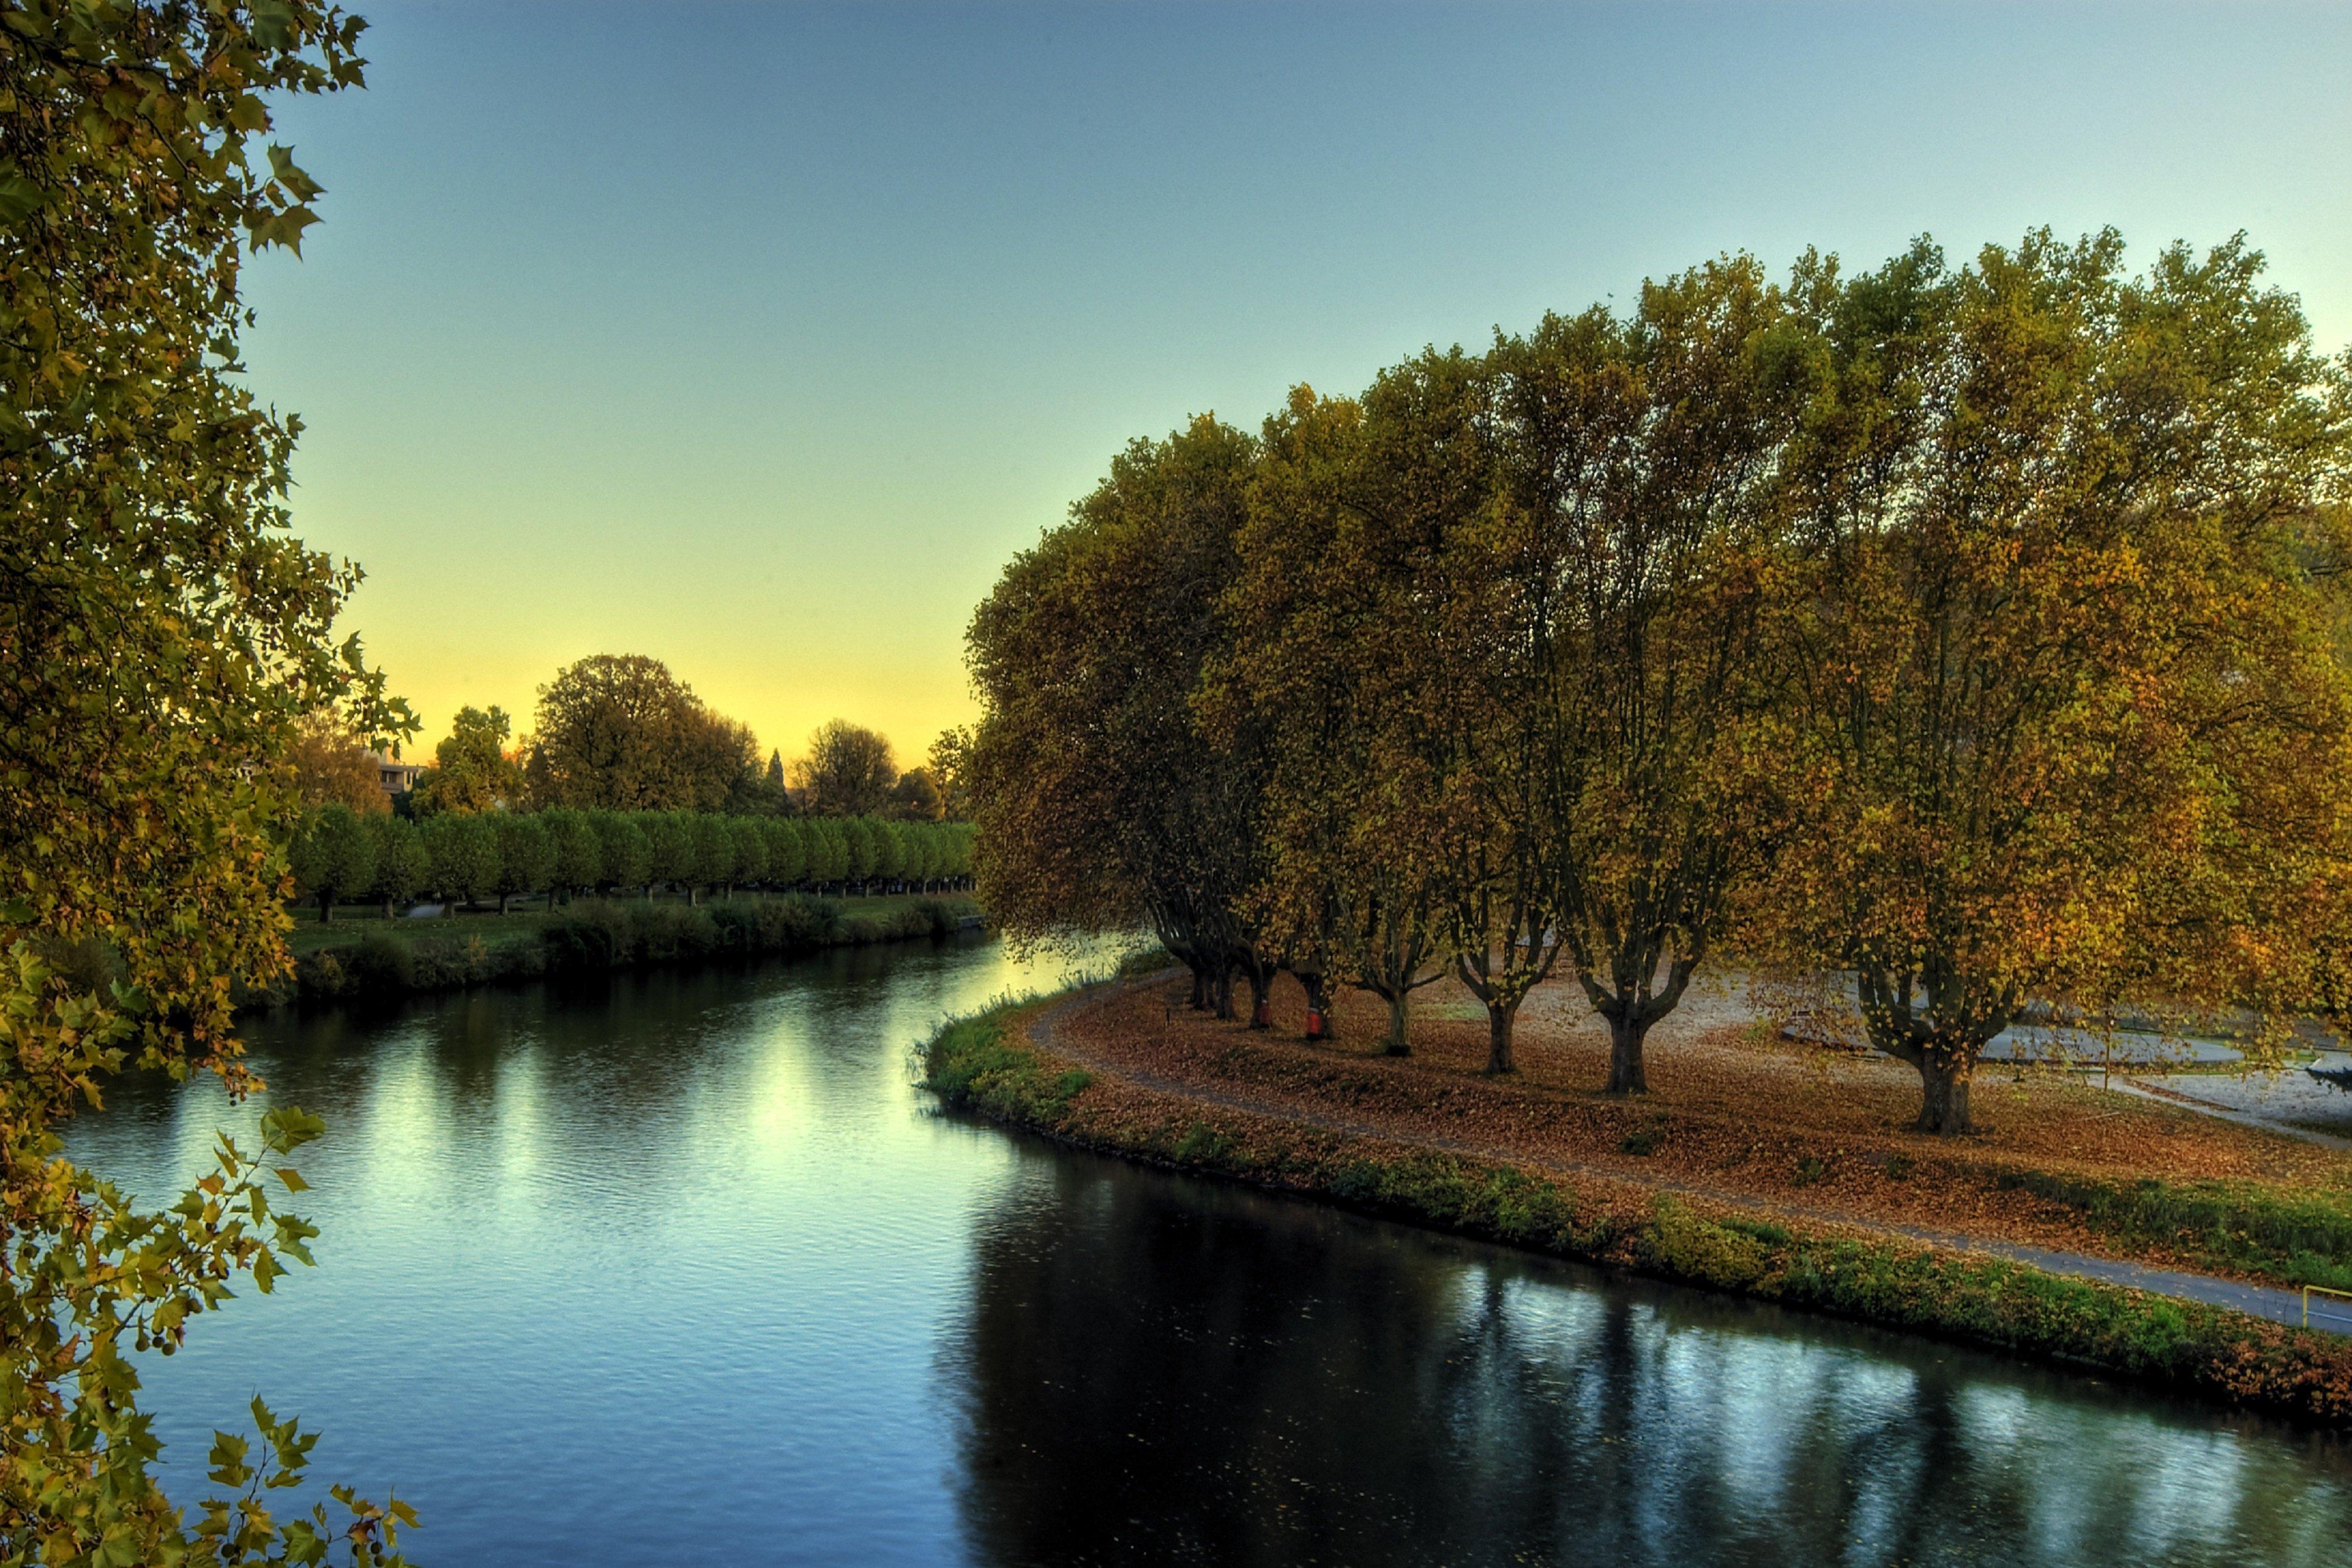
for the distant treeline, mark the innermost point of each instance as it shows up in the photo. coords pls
(597, 936)
(342, 856)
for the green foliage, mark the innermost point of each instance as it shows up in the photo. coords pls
(471, 771)
(164, 635)
(620, 731)
(526, 854)
(860, 852)
(787, 850)
(848, 771)
(670, 841)
(333, 856)
(463, 854)
(579, 852)
(714, 851)
(403, 865)
(2223, 1225)
(627, 854)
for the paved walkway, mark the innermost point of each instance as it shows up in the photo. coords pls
(2277, 1304)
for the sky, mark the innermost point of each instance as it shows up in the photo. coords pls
(757, 337)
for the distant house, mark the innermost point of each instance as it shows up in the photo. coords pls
(397, 777)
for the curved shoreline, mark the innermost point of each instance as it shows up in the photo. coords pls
(2210, 1336)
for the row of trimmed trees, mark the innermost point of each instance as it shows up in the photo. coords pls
(1969, 632)
(342, 857)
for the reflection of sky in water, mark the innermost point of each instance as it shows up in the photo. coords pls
(685, 1271)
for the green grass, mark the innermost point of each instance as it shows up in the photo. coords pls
(2228, 1225)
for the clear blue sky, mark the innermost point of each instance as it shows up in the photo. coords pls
(756, 337)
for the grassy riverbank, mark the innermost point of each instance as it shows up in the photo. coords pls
(992, 1065)
(377, 958)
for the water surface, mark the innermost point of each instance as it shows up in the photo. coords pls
(683, 1269)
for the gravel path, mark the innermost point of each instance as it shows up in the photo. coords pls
(2276, 1304)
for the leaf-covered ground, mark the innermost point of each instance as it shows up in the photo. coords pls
(1735, 1111)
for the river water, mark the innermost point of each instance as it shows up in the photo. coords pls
(683, 1269)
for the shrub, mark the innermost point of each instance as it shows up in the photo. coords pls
(382, 964)
(589, 937)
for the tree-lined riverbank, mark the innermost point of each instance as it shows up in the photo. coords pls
(1309, 1120)
(381, 958)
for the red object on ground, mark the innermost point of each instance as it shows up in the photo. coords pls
(1314, 1024)
(1264, 1018)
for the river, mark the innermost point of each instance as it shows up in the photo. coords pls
(682, 1268)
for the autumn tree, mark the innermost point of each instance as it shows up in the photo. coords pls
(471, 770)
(1639, 460)
(331, 764)
(620, 731)
(915, 796)
(1101, 799)
(1326, 663)
(163, 633)
(2061, 695)
(945, 763)
(848, 771)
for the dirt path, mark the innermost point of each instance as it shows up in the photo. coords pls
(2258, 1301)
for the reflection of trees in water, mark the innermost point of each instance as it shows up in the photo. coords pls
(1158, 1372)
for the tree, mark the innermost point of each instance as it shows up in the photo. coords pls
(916, 798)
(526, 855)
(829, 849)
(946, 765)
(714, 853)
(787, 851)
(861, 853)
(620, 731)
(2065, 723)
(1353, 860)
(464, 850)
(751, 849)
(673, 856)
(1102, 799)
(163, 634)
(403, 868)
(331, 764)
(333, 857)
(471, 771)
(627, 854)
(1642, 454)
(848, 771)
(579, 851)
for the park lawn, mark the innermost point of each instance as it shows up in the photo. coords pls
(353, 922)
(1735, 1109)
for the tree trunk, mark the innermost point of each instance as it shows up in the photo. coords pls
(1225, 992)
(1199, 1003)
(1498, 1038)
(1260, 1000)
(505, 899)
(326, 908)
(1397, 1041)
(387, 909)
(1944, 1092)
(1319, 1013)
(1626, 1073)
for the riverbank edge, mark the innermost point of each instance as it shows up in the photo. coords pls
(988, 1064)
(603, 937)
